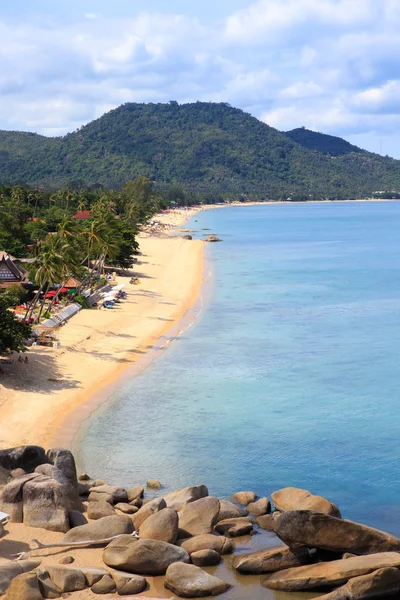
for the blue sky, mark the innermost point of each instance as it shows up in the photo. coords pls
(330, 65)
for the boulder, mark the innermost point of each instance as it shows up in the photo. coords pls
(213, 238)
(66, 560)
(134, 493)
(93, 575)
(228, 510)
(271, 560)
(101, 529)
(67, 579)
(117, 494)
(129, 584)
(297, 499)
(199, 517)
(99, 497)
(24, 587)
(260, 507)
(143, 557)
(47, 588)
(70, 492)
(379, 584)
(64, 460)
(138, 502)
(317, 530)
(10, 570)
(267, 522)
(179, 498)
(11, 497)
(23, 457)
(189, 581)
(207, 541)
(235, 527)
(105, 585)
(1, 530)
(127, 509)
(330, 574)
(147, 510)
(244, 497)
(99, 510)
(76, 518)
(205, 558)
(153, 484)
(15, 473)
(45, 504)
(162, 525)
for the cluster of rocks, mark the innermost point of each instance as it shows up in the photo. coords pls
(177, 534)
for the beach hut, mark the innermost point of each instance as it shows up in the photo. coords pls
(10, 273)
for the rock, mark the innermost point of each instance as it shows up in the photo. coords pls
(260, 507)
(47, 588)
(67, 579)
(143, 557)
(213, 238)
(330, 574)
(297, 499)
(45, 504)
(235, 527)
(84, 488)
(271, 560)
(129, 584)
(187, 237)
(348, 555)
(179, 498)
(189, 581)
(117, 494)
(98, 483)
(134, 493)
(228, 510)
(127, 509)
(99, 510)
(378, 584)
(147, 510)
(317, 530)
(106, 585)
(11, 569)
(153, 484)
(84, 477)
(15, 473)
(244, 497)
(73, 501)
(76, 518)
(138, 502)
(93, 575)
(98, 497)
(23, 457)
(101, 529)
(11, 497)
(162, 525)
(205, 558)
(207, 541)
(266, 522)
(66, 560)
(199, 517)
(64, 460)
(24, 587)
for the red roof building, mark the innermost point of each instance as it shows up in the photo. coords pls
(82, 215)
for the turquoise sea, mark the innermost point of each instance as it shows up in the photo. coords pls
(289, 377)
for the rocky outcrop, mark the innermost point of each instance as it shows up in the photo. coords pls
(67, 579)
(162, 525)
(10, 570)
(330, 574)
(101, 529)
(148, 509)
(244, 497)
(44, 504)
(64, 461)
(11, 497)
(379, 584)
(23, 457)
(184, 496)
(207, 541)
(271, 560)
(70, 492)
(189, 581)
(24, 587)
(291, 498)
(316, 530)
(199, 517)
(143, 557)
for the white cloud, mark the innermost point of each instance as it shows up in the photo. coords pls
(331, 65)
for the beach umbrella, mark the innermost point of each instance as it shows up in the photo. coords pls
(50, 294)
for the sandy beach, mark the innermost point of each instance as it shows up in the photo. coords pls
(97, 346)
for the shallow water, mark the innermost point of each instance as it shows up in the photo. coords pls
(290, 376)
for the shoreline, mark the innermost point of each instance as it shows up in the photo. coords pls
(58, 388)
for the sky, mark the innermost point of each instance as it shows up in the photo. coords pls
(328, 65)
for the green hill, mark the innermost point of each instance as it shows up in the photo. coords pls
(207, 147)
(321, 142)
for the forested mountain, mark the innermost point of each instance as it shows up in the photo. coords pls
(210, 148)
(321, 142)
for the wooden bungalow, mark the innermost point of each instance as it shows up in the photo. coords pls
(10, 273)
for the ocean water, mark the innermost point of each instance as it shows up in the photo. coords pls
(290, 375)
